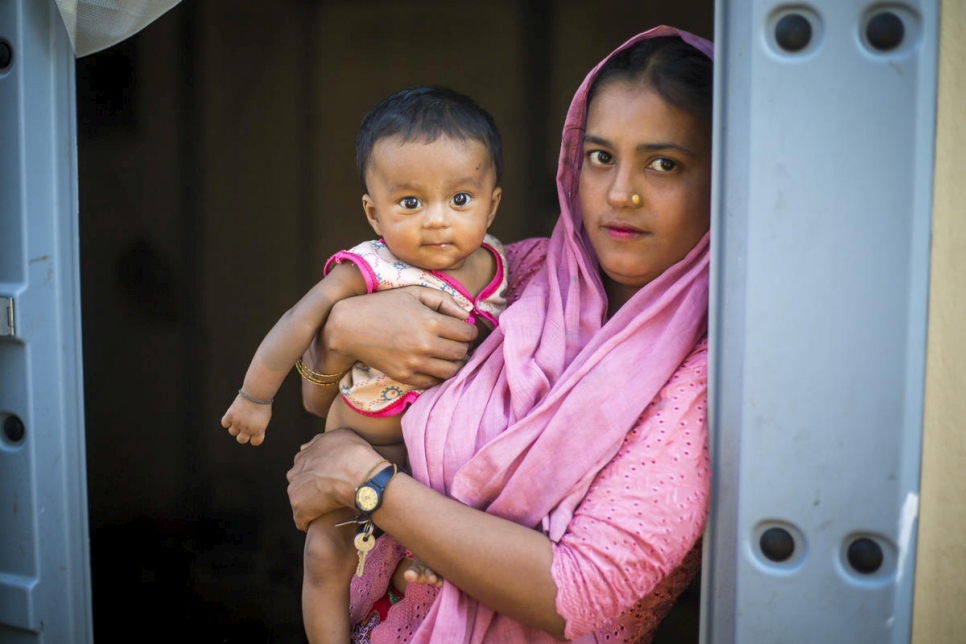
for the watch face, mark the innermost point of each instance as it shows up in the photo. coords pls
(366, 499)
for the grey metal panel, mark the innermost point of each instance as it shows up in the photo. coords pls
(44, 557)
(823, 187)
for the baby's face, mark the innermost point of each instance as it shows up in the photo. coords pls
(431, 202)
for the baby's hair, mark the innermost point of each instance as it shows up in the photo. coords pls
(426, 113)
(679, 72)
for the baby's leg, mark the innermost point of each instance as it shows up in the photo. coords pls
(330, 560)
(383, 433)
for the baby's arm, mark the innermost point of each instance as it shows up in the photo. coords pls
(282, 347)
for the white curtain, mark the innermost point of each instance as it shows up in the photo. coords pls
(94, 25)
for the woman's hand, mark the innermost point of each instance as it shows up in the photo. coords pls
(326, 472)
(416, 335)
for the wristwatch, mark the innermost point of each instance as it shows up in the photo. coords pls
(369, 494)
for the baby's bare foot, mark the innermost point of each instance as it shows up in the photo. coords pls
(420, 573)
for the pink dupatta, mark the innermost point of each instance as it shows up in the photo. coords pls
(522, 430)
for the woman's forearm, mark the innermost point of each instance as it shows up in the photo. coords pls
(500, 563)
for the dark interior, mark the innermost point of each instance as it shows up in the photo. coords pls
(216, 176)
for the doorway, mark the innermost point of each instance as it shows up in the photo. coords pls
(216, 176)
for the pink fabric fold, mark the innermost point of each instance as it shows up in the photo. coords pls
(544, 403)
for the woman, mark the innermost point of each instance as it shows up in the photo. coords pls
(552, 507)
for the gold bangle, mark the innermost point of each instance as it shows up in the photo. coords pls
(316, 378)
(369, 473)
(316, 374)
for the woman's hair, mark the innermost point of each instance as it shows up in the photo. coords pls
(425, 114)
(681, 74)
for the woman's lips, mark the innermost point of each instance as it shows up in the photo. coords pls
(621, 232)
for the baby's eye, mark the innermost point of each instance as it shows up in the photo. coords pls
(462, 198)
(410, 203)
(599, 157)
(662, 165)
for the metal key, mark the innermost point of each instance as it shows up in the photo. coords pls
(364, 543)
(359, 519)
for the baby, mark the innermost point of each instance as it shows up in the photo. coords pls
(430, 160)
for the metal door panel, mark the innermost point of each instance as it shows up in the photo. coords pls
(823, 180)
(44, 558)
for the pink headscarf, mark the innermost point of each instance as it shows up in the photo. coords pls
(522, 430)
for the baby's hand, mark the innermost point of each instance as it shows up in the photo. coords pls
(420, 573)
(246, 421)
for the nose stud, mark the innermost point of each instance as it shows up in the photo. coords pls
(636, 199)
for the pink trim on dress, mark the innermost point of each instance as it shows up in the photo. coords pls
(370, 277)
(488, 290)
(394, 408)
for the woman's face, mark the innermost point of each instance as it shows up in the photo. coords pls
(638, 144)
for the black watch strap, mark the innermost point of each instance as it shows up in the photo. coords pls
(369, 494)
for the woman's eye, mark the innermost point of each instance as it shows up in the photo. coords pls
(662, 165)
(461, 199)
(599, 157)
(409, 203)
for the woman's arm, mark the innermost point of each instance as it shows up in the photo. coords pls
(501, 563)
(643, 514)
(415, 335)
(639, 520)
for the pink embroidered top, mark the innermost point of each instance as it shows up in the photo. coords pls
(613, 553)
(370, 392)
